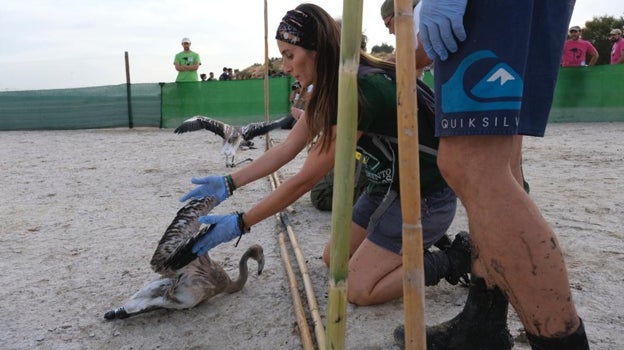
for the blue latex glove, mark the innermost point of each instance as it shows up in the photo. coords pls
(224, 228)
(209, 186)
(441, 23)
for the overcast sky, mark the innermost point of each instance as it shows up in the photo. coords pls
(74, 43)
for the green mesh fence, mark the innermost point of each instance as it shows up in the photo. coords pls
(235, 101)
(83, 108)
(156, 105)
(145, 104)
(590, 94)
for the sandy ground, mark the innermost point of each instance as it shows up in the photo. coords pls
(82, 212)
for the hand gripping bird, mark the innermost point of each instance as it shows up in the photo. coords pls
(233, 136)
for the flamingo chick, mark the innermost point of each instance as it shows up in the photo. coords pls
(233, 136)
(186, 280)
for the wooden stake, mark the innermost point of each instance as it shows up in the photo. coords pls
(407, 107)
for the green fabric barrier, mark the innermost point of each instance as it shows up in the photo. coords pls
(236, 102)
(81, 108)
(584, 94)
(145, 101)
(589, 94)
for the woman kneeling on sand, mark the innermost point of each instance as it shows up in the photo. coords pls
(309, 41)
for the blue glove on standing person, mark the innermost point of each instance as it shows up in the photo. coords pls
(441, 25)
(224, 228)
(219, 186)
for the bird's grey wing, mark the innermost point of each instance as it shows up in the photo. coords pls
(183, 255)
(174, 248)
(200, 122)
(252, 130)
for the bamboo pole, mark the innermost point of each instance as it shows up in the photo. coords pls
(407, 107)
(266, 74)
(319, 330)
(342, 199)
(302, 322)
(304, 329)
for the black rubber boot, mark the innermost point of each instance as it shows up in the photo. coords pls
(443, 243)
(574, 341)
(459, 258)
(453, 264)
(482, 324)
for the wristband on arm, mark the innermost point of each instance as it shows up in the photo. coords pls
(229, 184)
(241, 226)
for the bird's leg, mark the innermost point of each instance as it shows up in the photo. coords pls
(242, 161)
(151, 297)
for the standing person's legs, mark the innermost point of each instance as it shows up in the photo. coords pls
(514, 246)
(516, 251)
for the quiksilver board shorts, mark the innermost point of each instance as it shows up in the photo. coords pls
(502, 78)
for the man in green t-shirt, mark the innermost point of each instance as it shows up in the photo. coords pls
(186, 63)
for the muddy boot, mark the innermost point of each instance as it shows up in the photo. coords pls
(574, 341)
(459, 258)
(482, 324)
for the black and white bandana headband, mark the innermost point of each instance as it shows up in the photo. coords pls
(297, 28)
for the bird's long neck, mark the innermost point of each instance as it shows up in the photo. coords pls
(243, 270)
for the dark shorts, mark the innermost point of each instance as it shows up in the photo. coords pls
(383, 219)
(502, 79)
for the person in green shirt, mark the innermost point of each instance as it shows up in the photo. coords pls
(309, 40)
(186, 63)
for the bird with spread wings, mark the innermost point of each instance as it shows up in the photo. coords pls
(233, 136)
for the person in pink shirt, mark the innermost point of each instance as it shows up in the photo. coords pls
(576, 50)
(617, 51)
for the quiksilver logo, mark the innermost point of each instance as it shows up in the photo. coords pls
(499, 89)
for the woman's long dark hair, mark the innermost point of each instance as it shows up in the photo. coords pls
(322, 106)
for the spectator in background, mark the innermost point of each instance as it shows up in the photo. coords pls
(203, 77)
(186, 63)
(224, 75)
(231, 75)
(296, 105)
(211, 77)
(575, 50)
(617, 51)
(295, 93)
